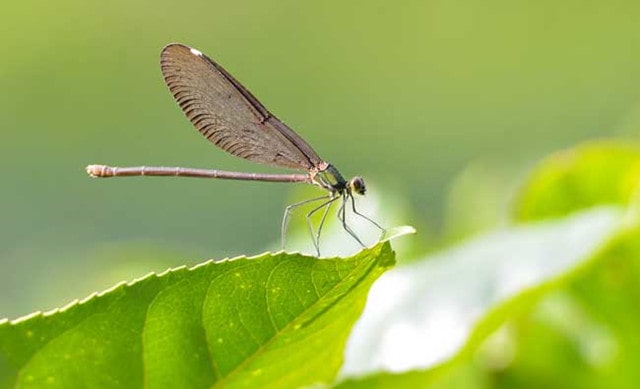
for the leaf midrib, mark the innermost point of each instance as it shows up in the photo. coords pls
(263, 346)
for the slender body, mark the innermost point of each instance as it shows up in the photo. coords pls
(104, 171)
(229, 116)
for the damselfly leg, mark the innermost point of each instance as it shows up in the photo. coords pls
(326, 205)
(353, 207)
(287, 212)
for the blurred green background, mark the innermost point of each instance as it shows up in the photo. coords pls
(441, 105)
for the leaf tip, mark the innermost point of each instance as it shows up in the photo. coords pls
(397, 232)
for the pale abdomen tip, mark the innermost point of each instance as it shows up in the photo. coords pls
(99, 171)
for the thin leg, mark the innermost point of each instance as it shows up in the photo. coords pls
(327, 204)
(342, 217)
(287, 211)
(353, 207)
(324, 217)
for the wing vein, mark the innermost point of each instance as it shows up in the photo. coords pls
(228, 115)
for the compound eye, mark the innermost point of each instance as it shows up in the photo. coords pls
(357, 185)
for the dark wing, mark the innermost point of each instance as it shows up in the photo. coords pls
(227, 114)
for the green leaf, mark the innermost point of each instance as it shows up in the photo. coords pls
(440, 312)
(576, 326)
(586, 176)
(584, 333)
(423, 313)
(243, 322)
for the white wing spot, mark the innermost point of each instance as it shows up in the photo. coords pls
(196, 52)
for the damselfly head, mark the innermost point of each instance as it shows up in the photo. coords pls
(356, 185)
